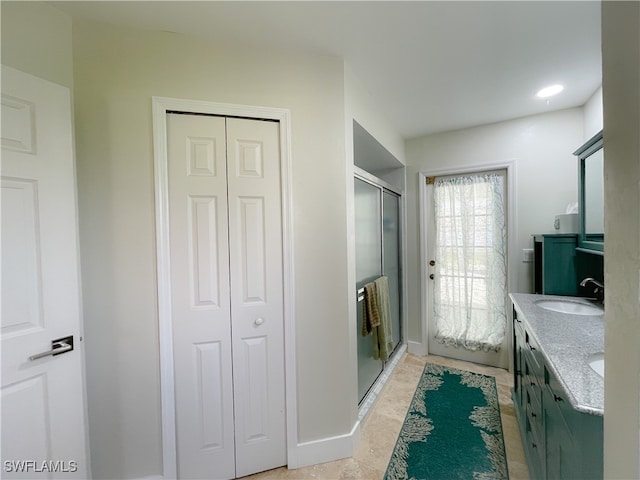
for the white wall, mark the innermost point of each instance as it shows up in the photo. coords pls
(547, 180)
(621, 96)
(117, 70)
(36, 38)
(361, 107)
(593, 116)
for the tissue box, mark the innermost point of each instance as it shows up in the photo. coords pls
(567, 223)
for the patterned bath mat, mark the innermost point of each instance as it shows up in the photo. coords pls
(452, 429)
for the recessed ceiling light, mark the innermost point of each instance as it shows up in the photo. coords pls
(550, 91)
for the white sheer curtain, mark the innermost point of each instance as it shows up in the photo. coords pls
(471, 261)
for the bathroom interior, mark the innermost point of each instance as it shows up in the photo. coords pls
(571, 180)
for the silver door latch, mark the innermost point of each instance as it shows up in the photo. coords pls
(61, 345)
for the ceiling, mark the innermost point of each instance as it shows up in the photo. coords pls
(432, 66)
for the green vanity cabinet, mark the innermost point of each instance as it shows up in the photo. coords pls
(559, 441)
(527, 397)
(555, 264)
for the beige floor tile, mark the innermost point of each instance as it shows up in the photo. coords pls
(380, 428)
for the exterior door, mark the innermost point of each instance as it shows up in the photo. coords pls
(443, 268)
(226, 275)
(43, 401)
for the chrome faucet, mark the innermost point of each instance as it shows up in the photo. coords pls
(598, 291)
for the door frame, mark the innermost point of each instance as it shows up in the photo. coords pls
(161, 106)
(512, 240)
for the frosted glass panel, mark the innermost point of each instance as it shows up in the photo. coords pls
(391, 258)
(368, 268)
(368, 238)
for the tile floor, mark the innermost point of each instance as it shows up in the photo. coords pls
(370, 460)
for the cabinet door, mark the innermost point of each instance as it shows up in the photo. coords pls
(559, 266)
(574, 439)
(562, 453)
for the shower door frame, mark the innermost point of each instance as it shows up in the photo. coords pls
(365, 176)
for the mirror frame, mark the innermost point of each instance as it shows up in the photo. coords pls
(583, 153)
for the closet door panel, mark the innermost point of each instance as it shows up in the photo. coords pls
(200, 296)
(255, 242)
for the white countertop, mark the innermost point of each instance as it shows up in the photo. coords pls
(567, 342)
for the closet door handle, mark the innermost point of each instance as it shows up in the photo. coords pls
(259, 321)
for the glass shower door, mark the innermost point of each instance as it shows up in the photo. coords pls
(391, 258)
(368, 268)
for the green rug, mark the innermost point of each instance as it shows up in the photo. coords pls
(452, 430)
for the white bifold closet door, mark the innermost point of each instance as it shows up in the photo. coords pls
(227, 295)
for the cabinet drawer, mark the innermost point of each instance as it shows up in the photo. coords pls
(533, 403)
(535, 432)
(534, 416)
(531, 372)
(533, 356)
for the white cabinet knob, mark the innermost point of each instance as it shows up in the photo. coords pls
(259, 321)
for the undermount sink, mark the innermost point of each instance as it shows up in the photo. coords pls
(570, 307)
(596, 362)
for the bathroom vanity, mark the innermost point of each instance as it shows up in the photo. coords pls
(558, 393)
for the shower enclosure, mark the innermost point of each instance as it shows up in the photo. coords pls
(377, 234)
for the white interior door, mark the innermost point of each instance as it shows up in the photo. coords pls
(43, 406)
(436, 267)
(226, 275)
(257, 310)
(200, 296)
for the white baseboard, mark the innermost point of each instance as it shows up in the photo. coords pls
(417, 348)
(325, 450)
(314, 452)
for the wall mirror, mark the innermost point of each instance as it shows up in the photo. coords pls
(591, 193)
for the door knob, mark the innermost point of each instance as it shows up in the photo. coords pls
(431, 276)
(259, 321)
(432, 262)
(61, 345)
